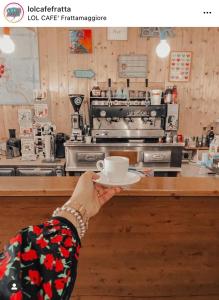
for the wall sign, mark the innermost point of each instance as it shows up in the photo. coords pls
(133, 66)
(149, 32)
(19, 71)
(117, 33)
(80, 41)
(180, 66)
(84, 73)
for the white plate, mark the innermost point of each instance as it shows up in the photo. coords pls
(131, 178)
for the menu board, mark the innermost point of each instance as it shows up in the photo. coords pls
(180, 66)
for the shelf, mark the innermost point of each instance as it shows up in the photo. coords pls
(196, 148)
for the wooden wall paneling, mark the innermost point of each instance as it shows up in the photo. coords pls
(43, 40)
(53, 71)
(3, 131)
(198, 98)
(63, 115)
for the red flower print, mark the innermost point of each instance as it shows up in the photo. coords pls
(42, 243)
(51, 223)
(57, 239)
(66, 231)
(68, 242)
(55, 222)
(48, 262)
(37, 230)
(77, 252)
(57, 227)
(16, 296)
(64, 252)
(29, 255)
(40, 297)
(78, 249)
(3, 267)
(47, 224)
(60, 283)
(47, 288)
(59, 265)
(15, 239)
(35, 277)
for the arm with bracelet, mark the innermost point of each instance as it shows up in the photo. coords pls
(40, 262)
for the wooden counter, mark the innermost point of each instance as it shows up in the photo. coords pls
(160, 243)
(149, 186)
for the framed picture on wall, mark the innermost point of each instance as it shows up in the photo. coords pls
(117, 33)
(180, 66)
(80, 41)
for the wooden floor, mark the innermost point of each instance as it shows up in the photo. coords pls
(151, 248)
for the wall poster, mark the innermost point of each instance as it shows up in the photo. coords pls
(80, 41)
(180, 66)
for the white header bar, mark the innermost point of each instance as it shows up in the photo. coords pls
(103, 13)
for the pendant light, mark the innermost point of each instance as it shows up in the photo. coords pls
(7, 45)
(163, 48)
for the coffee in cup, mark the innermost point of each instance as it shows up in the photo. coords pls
(115, 168)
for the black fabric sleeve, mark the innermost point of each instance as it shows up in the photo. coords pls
(40, 262)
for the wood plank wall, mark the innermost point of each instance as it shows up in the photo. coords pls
(198, 99)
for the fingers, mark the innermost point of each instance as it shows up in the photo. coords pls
(95, 176)
(108, 194)
(118, 190)
(90, 175)
(101, 190)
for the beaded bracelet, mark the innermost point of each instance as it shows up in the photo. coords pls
(82, 225)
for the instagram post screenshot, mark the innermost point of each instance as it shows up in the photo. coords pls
(109, 150)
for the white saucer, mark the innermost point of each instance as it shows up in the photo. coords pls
(130, 178)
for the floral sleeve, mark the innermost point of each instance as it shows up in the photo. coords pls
(40, 262)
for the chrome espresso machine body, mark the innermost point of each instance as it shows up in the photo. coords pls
(127, 118)
(131, 125)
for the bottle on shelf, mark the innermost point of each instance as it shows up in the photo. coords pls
(13, 145)
(210, 136)
(174, 94)
(204, 137)
(196, 142)
(168, 95)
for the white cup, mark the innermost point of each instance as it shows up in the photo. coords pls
(115, 168)
(156, 97)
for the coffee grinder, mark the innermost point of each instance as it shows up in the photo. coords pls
(76, 118)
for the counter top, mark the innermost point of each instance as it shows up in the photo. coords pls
(195, 170)
(17, 161)
(80, 144)
(148, 186)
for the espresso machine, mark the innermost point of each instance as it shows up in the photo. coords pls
(76, 117)
(126, 119)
